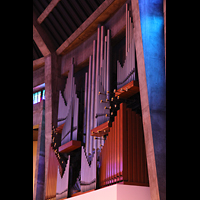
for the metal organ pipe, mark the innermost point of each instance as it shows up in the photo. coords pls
(97, 71)
(70, 118)
(108, 65)
(85, 107)
(93, 91)
(98, 81)
(88, 106)
(127, 73)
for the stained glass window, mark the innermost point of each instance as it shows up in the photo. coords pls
(38, 96)
(43, 94)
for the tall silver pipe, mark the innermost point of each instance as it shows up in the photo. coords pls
(108, 64)
(105, 65)
(93, 90)
(88, 106)
(85, 107)
(126, 29)
(97, 72)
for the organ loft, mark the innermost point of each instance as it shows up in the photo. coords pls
(99, 99)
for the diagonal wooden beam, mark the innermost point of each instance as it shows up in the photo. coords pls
(105, 11)
(38, 63)
(47, 10)
(41, 38)
(40, 43)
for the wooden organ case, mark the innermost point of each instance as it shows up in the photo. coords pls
(123, 157)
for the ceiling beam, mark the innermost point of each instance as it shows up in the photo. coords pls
(44, 38)
(40, 43)
(38, 63)
(47, 10)
(89, 27)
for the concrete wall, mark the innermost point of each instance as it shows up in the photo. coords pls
(149, 36)
(38, 76)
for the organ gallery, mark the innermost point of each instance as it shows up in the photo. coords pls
(99, 81)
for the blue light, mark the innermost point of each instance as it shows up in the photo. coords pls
(43, 94)
(152, 28)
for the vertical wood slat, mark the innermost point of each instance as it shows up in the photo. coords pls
(104, 166)
(106, 149)
(115, 149)
(110, 157)
(117, 142)
(52, 174)
(138, 149)
(112, 145)
(134, 178)
(121, 145)
(125, 142)
(130, 145)
(108, 163)
(142, 148)
(100, 171)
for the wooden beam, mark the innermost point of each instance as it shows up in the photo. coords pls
(99, 130)
(38, 63)
(89, 27)
(128, 90)
(40, 43)
(47, 10)
(41, 38)
(69, 146)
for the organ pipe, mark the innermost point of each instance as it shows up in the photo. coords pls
(123, 155)
(98, 78)
(68, 114)
(126, 73)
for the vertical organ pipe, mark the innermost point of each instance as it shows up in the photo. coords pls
(108, 64)
(96, 78)
(126, 29)
(88, 108)
(93, 90)
(85, 108)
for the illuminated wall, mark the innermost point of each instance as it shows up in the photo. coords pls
(152, 28)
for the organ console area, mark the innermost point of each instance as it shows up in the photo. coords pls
(98, 140)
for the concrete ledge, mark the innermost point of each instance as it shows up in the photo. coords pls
(117, 192)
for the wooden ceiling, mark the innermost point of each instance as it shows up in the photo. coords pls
(59, 19)
(61, 25)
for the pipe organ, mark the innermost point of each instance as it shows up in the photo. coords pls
(126, 73)
(68, 109)
(97, 87)
(88, 171)
(123, 157)
(96, 105)
(62, 182)
(56, 175)
(117, 152)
